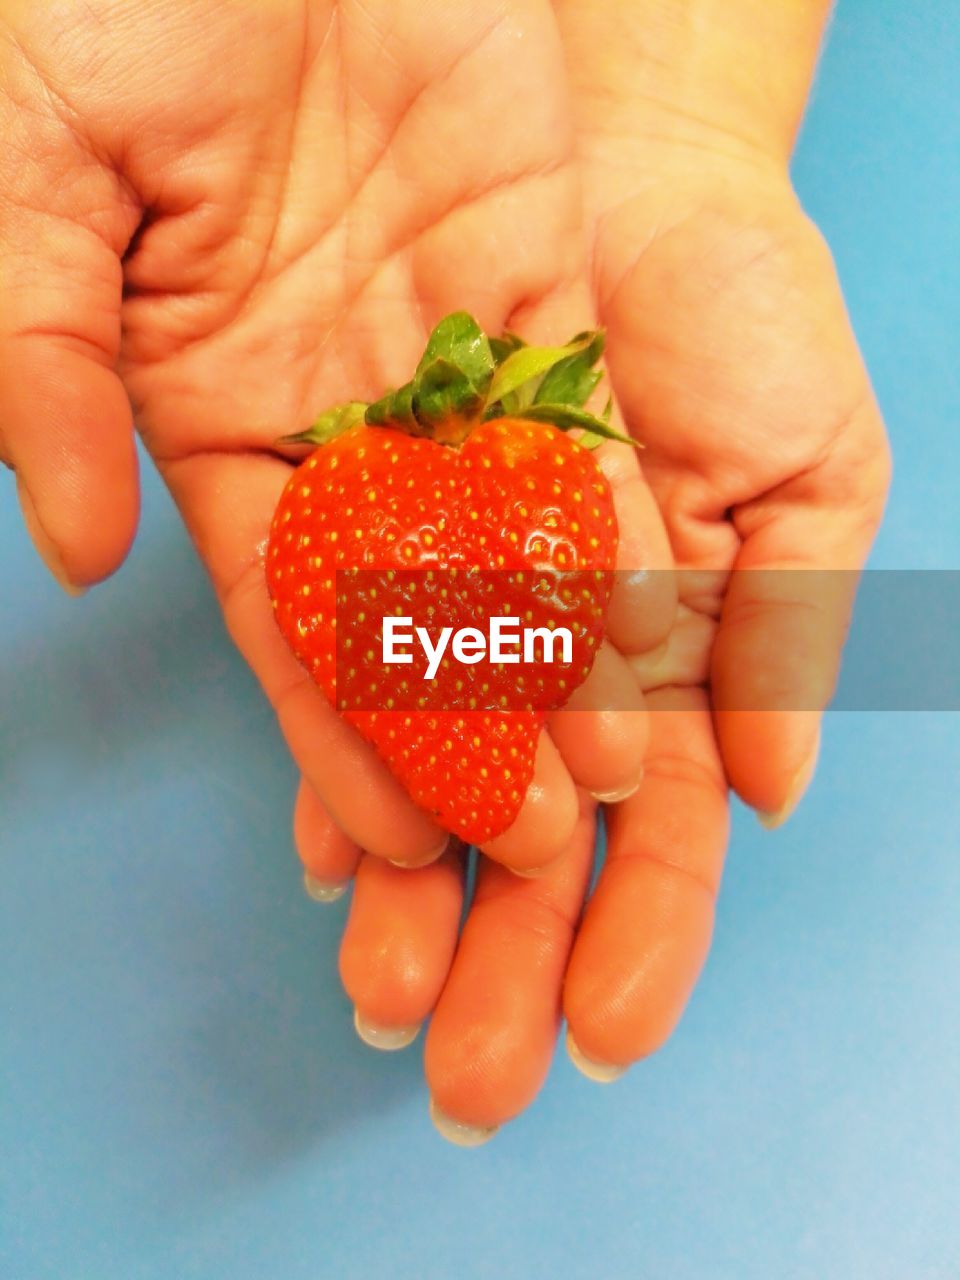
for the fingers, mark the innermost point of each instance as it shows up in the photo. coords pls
(545, 823)
(602, 731)
(398, 945)
(602, 745)
(772, 457)
(786, 613)
(328, 855)
(774, 666)
(68, 434)
(65, 421)
(644, 600)
(354, 784)
(599, 744)
(684, 658)
(647, 927)
(227, 501)
(493, 1032)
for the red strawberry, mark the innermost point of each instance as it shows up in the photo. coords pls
(452, 499)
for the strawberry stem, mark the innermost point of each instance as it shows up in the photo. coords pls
(464, 378)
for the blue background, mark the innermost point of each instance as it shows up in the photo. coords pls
(182, 1091)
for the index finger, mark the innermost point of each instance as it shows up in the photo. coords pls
(644, 600)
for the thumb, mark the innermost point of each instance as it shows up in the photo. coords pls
(786, 612)
(67, 433)
(65, 420)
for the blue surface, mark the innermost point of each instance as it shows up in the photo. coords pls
(182, 1093)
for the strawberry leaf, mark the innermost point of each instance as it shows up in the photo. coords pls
(505, 345)
(564, 417)
(460, 341)
(590, 439)
(463, 377)
(334, 422)
(529, 363)
(395, 409)
(573, 380)
(443, 393)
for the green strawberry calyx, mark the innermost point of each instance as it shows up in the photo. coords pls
(465, 378)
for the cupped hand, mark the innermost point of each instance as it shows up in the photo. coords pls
(288, 198)
(734, 362)
(238, 215)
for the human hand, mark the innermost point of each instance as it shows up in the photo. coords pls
(240, 215)
(732, 356)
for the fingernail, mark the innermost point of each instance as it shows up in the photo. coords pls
(614, 797)
(386, 1038)
(531, 873)
(599, 1072)
(801, 780)
(324, 890)
(455, 1131)
(46, 550)
(425, 861)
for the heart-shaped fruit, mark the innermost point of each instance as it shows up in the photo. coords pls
(457, 500)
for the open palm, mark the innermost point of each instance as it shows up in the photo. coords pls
(296, 198)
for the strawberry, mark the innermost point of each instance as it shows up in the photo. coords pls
(456, 498)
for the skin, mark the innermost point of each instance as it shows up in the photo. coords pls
(236, 215)
(170, 215)
(698, 245)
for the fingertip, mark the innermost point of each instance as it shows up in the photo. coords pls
(43, 544)
(547, 818)
(457, 1132)
(387, 1039)
(481, 1068)
(603, 731)
(399, 941)
(414, 862)
(619, 794)
(603, 750)
(325, 891)
(770, 758)
(796, 789)
(598, 1072)
(328, 855)
(70, 436)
